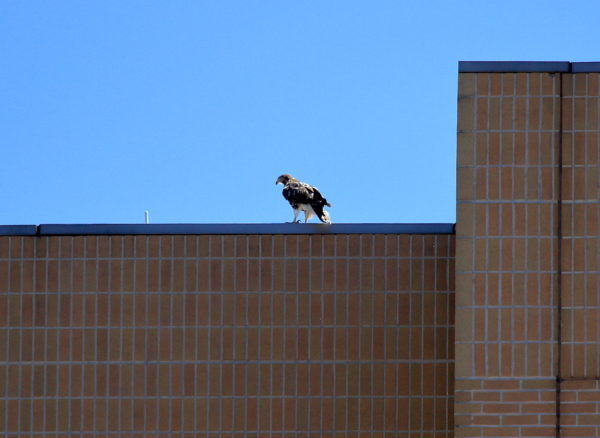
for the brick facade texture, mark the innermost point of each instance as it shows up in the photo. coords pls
(527, 295)
(283, 335)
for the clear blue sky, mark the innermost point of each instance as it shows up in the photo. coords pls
(191, 109)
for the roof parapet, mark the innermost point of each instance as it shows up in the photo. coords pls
(214, 229)
(527, 67)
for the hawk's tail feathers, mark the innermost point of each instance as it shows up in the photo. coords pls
(321, 214)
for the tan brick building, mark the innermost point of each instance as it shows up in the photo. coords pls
(227, 330)
(353, 330)
(527, 292)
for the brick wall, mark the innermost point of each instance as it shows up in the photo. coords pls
(527, 296)
(248, 335)
(580, 337)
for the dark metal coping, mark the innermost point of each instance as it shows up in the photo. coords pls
(137, 229)
(18, 230)
(527, 67)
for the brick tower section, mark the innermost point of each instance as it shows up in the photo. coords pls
(527, 297)
(580, 336)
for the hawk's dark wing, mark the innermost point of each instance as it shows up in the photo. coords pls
(297, 192)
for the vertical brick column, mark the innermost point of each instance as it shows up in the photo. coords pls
(580, 337)
(506, 254)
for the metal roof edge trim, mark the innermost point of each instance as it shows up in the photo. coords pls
(214, 229)
(527, 67)
(585, 67)
(18, 230)
(513, 66)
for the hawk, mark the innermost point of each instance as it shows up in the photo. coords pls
(304, 197)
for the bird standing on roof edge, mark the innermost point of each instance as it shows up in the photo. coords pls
(304, 197)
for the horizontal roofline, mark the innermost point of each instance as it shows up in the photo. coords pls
(527, 67)
(285, 228)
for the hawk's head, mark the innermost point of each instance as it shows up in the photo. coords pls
(283, 179)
